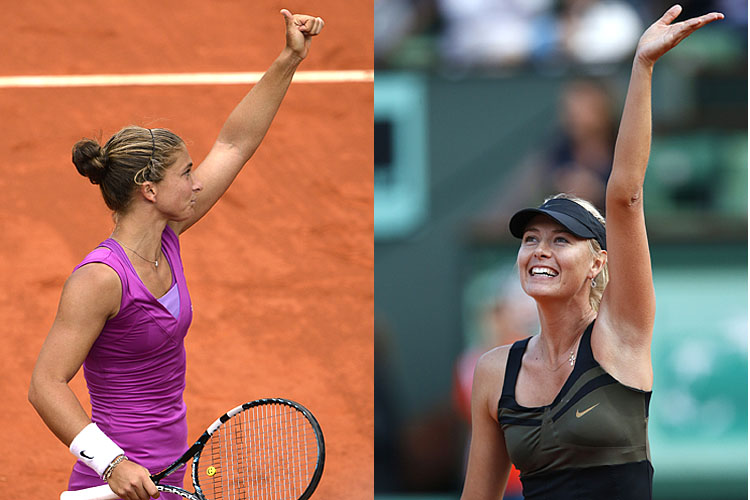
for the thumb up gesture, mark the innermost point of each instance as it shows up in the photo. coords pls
(300, 29)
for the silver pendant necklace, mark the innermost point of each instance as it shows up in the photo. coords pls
(154, 262)
(571, 359)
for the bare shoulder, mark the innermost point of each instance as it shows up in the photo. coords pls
(489, 376)
(90, 297)
(96, 286)
(95, 276)
(492, 363)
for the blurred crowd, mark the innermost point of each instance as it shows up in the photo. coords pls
(544, 34)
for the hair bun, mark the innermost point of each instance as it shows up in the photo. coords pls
(90, 160)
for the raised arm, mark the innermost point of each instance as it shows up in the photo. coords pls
(627, 309)
(248, 123)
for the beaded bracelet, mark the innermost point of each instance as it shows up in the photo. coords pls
(108, 473)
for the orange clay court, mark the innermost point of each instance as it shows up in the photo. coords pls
(280, 271)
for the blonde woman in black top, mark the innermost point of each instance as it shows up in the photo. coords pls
(569, 407)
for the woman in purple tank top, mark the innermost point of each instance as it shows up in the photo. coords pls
(125, 310)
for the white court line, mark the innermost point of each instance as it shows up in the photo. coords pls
(354, 76)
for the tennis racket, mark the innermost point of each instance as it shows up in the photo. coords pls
(268, 448)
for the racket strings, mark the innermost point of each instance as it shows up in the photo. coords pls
(265, 452)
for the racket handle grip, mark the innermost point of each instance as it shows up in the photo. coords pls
(102, 492)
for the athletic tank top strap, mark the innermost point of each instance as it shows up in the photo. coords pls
(512, 367)
(585, 356)
(584, 362)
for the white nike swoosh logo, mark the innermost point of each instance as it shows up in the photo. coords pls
(579, 414)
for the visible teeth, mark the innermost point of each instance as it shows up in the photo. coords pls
(544, 271)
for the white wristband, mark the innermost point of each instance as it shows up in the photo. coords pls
(92, 447)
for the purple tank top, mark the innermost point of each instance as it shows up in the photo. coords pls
(135, 371)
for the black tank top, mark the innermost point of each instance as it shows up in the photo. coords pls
(590, 443)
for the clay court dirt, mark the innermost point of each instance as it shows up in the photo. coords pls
(280, 272)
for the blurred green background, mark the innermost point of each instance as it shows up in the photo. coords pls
(459, 148)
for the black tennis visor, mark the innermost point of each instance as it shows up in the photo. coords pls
(568, 213)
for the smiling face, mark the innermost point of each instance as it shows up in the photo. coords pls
(177, 192)
(554, 263)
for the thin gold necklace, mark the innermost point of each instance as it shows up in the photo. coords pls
(154, 262)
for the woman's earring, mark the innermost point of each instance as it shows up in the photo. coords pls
(593, 283)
